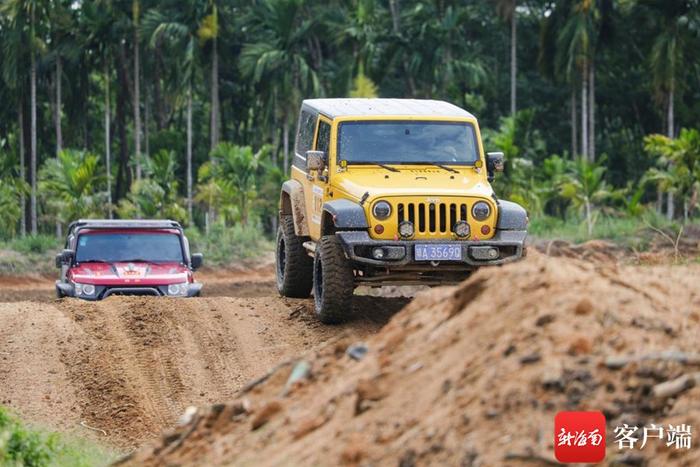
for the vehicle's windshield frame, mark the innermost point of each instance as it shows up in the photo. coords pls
(181, 260)
(470, 125)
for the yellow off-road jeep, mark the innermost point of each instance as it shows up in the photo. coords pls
(389, 191)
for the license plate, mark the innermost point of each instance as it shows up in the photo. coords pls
(438, 252)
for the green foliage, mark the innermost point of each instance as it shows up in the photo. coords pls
(678, 167)
(39, 244)
(22, 446)
(156, 195)
(72, 186)
(585, 187)
(233, 180)
(225, 246)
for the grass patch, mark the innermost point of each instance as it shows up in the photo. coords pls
(225, 246)
(29, 255)
(24, 446)
(632, 232)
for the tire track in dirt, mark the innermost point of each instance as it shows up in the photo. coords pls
(140, 361)
(132, 365)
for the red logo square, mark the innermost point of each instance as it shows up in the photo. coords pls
(579, 437)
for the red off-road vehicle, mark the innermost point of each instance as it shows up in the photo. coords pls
(127, 257)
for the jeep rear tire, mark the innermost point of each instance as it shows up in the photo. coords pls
(294, 265)
(333, 281)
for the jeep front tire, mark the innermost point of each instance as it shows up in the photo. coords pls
(294, 265)
(333, 281)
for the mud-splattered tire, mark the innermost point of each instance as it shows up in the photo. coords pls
(294, 265)
(333, 281)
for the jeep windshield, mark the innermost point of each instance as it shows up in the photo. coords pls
(407, 142)
(129, 247)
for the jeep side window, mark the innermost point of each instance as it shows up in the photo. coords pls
(305, 136)
(323, 141)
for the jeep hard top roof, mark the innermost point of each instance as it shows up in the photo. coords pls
(358, 107)
(122, 224)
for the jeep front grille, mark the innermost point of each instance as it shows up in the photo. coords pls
(432, 217)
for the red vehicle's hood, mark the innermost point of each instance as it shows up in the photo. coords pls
(130, 273)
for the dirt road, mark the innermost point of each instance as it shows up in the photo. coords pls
(130, 366)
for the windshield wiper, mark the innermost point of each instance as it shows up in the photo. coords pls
(442, 166)
(93, 261)
(389, 168)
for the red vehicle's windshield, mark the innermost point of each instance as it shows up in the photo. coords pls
(131, 246)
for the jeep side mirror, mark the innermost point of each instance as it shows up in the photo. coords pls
(494, 163)
(64, 257)
(196, 261)
(315, 160)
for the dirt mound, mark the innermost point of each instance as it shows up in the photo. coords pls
(122, 370)
(471, 375)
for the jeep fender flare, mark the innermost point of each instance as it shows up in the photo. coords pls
(343, 214)
(292, 202)
(511, 216)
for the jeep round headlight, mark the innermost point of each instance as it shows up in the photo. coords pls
(83, 290)
(381, 210)
(406, 229)
(481, 211)
(177, 289)
(461, 229)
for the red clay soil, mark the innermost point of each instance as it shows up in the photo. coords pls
(470, 375)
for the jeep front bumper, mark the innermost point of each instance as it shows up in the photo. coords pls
(67, 289)
(506, 246)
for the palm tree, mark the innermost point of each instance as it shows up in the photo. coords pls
(236, 171)
(279, 58)
(507, 10)
(678, 169)
(98, 20)
(155, 195)
(670, 18)
(209, 31)
(12, 191)
(176, 27)
(27, 15)
(72, 186)
(136, 16)
(14, 68)
(586, 188)
(578, 28)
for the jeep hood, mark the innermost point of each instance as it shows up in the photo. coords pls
(120, 273)
(411, 181)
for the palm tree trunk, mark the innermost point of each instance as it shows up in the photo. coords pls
(59, 135)
(108, 156)
(285, 143)
(574, 127)
(32, 168)
(137, 98)
(189, 152)
(214, 124)
(591, 111)
(395, 19)
(513, 61)
(22, 174)
(589, 219)
(670, 204)
(146, 119)
(584, 110)
(123, 174)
